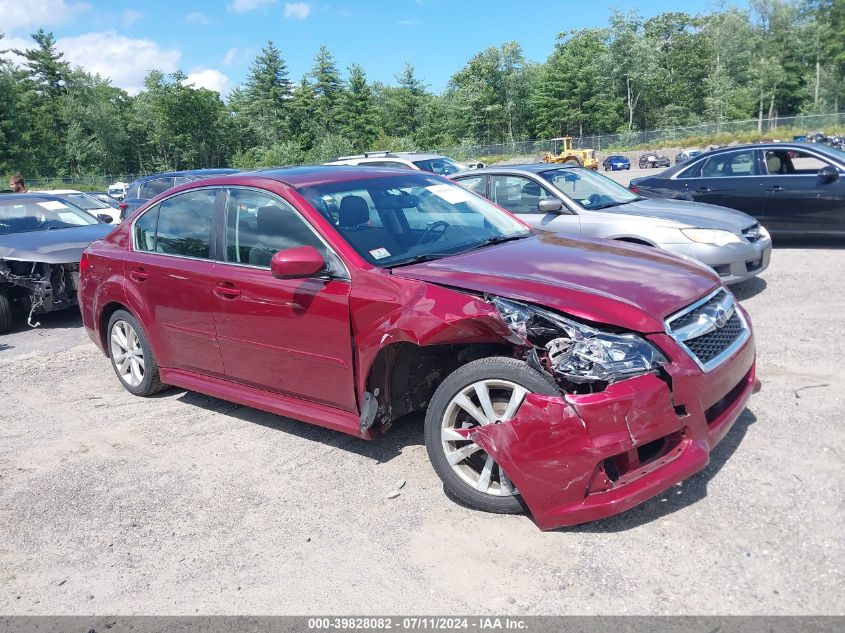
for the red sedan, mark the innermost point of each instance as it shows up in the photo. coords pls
(578, 378)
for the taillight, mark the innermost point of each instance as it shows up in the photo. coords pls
(84, 263)
(633, 189)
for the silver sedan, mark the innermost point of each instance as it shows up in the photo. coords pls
(581, 203)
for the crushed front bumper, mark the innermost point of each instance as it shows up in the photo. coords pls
(585, 457)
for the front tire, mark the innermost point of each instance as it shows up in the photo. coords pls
(6, 315)
(485, 391)
(132, 356)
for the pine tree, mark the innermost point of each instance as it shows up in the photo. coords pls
(356, 114)
(327, 89)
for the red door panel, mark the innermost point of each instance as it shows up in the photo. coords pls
(289, 336)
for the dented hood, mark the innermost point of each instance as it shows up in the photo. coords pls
(630, 286)
(56, 246)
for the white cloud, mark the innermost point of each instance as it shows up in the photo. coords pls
(122, 59)
(17, 14)
(130, 16)
(20, 43)
(210, 78)
(243, 6)
(297, 10)
(409, 23)
(195, 17)
(230, 57)
(344, 13)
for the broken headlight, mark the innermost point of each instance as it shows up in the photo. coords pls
(577, 352)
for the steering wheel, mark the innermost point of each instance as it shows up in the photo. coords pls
(596, 199)
(429, 230)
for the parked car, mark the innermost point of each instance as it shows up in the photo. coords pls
(117, 190)
(687, 154)
(794, 189)
(651, 161)
(102, 196)
(615, 162)
(579, 203)
(147, 187)
(88, 203)
(41, 240)
(327, 294)
(434, 163)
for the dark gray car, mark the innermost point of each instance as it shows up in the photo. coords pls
(581, 203)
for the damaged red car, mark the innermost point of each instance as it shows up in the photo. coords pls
(574, 378)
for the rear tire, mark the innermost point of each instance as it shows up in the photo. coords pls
(485, 391)
(6, 316)
(132, 356)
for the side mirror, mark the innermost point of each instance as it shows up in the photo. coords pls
(829, 174)
(550, 205)
(297, 263)
(105, 217)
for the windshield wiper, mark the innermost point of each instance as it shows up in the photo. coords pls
(417, 259)
(498, 239)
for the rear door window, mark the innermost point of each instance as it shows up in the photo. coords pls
(729, 165)
(183, 225)
(151, 188)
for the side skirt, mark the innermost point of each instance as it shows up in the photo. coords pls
(318, 414)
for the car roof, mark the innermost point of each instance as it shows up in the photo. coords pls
(32, 196)
(58, 192)
(188, 172)
(529, 168)
(309, 175)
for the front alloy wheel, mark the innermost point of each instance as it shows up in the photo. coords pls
(483, 392)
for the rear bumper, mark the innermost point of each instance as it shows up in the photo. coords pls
(587, 457)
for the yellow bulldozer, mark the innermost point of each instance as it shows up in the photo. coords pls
(563, 152)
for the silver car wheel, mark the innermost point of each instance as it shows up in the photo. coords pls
(481, 403)
(127, 353)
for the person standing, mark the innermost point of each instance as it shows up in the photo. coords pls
(17, 185)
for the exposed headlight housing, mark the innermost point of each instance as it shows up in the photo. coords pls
(717, 237)
(579, 353)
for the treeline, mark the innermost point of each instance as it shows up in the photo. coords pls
(778, 58)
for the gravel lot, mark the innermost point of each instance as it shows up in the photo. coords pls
(183, 503)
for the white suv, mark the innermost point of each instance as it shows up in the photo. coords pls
(434, 163)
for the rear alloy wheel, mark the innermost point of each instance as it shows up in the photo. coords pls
(484, 392)
(131, 355)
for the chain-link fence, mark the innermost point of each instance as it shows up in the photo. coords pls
(767, 127)
(808, 123)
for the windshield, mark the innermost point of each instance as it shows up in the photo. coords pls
(40, 214)
(396, 220)
(84, 201)
(442, 166)
(590, 190)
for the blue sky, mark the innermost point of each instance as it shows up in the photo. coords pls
(214, 42)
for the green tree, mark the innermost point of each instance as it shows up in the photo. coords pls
(327, 89)
(262, 104)
(357, 116)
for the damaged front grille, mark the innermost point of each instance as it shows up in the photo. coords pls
(710, 330)
(44, 287)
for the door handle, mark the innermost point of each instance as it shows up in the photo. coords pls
(227, 290)
(775, 188)
(139, 275)
(702, 190)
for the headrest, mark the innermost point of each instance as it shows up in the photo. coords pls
(353, 211)
(271, 220)
(773, 163)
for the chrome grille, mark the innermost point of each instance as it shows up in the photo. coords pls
(710, 329)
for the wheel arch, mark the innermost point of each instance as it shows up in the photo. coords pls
(404, 376)
(103, 321)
